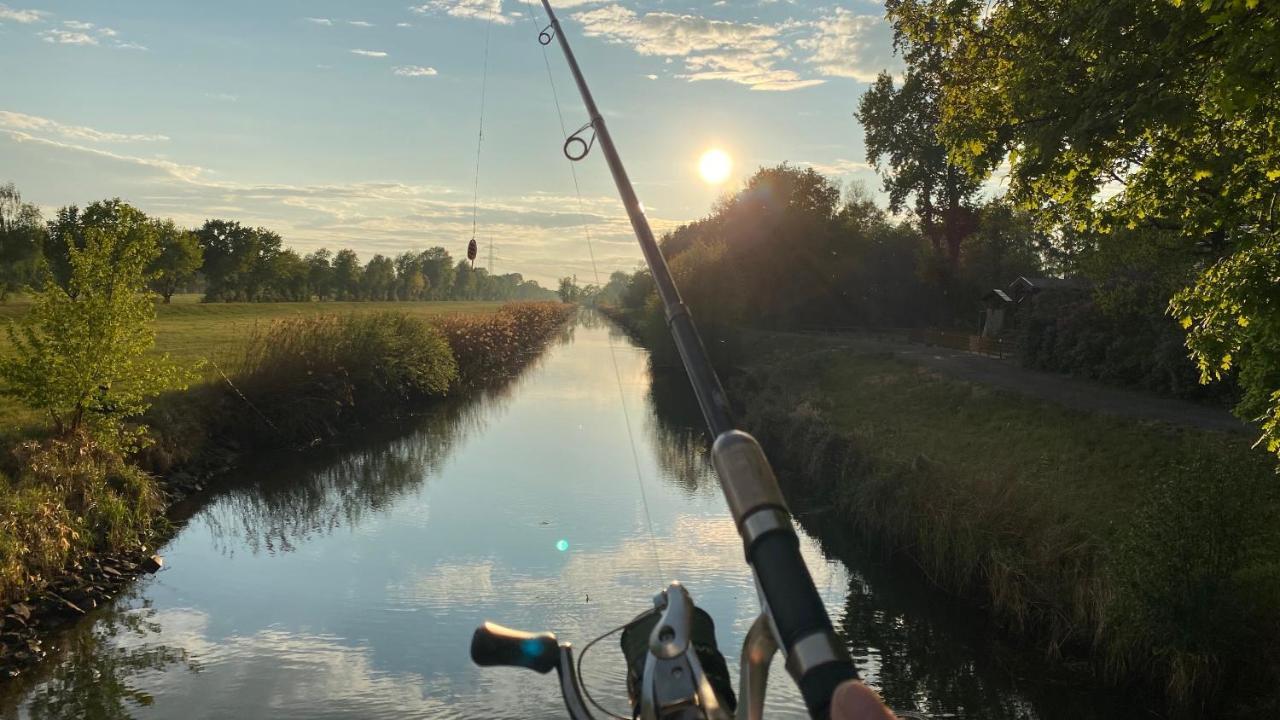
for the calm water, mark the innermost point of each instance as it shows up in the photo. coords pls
(346, 583)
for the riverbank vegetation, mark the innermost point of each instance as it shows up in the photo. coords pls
(110, 412)
(1151, 549)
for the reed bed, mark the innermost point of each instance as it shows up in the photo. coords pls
(490, 346)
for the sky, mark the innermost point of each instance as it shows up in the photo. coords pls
(355, 124)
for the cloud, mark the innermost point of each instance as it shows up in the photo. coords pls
(403, 25)
(489, 10)
(59, 36)
(539, 233)
(172, 170)
(369, 53)
(23, 17)
(743, 53)
(852, 46)
(320, 21)
(31, 123)
(78, 32)
(415, 71)
(839, 167)
(360, 23)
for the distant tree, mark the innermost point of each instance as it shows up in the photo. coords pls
(438, 267)
(290, 277)
(464, 281)
(180, 257)
(1006, 244)
(83, 352)
(347, 275)
(21, 238)
(263, 265)
(238, 261)
(901, 136)
(569, 291)
(379, 281)
(69, 229)
(411, 283)
(320, 273)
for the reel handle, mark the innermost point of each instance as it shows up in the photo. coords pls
(493, 645)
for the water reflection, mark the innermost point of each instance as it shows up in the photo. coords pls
(929, 654)
(270, 510)
(96, 671)
(674, 425)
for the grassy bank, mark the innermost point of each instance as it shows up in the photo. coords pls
(192, 331)
(291, 382)
(1153, 551)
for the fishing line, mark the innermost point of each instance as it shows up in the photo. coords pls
(586, 229)
(582, 655)
(484, 88)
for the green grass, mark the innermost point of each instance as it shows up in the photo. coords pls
(191, 331)
(1151, 549)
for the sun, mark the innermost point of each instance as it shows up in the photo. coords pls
(715, 166)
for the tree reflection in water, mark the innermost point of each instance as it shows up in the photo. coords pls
(270, 511)
(929, 653)
(677, 436)
(96, 669)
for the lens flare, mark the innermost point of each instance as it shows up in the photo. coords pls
(715, 166)
(563, 546)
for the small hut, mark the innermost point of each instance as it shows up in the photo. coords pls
(996, 304)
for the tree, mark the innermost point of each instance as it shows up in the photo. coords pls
(237, 260)
(569, 291)
(347, 275)
(21, 237)
(379, 281)
(69, 232)
(289, 278)
(901, 135)
(464, 281)
(320, 273)
(437, 266)
(180, 256)
(1136, 114)
(83, 352)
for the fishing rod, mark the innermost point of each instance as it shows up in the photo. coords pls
(793, 618)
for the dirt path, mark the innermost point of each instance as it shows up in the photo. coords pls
(1062, 389)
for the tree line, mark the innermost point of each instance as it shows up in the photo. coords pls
(231, 262)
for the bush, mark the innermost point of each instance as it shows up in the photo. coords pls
(1134, 346)
(303, 378)
(75, 497)
(490, 346)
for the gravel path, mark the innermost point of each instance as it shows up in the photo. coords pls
(1062, 389)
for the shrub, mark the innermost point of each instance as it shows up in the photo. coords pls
(83, 352)
(76, 496)
(1132, 346)
(303, 378)
(490, 346)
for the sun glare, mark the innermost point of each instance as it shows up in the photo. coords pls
(715, 166)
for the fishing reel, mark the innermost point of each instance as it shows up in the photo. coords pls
(675, 670)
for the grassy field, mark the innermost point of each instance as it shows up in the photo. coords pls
(190, 330)
(1152, 549)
